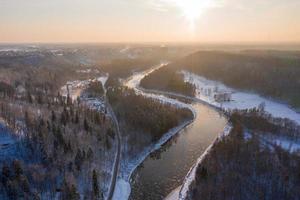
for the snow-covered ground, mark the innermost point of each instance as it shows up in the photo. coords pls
(7, 144)
(10, 147)
(74, 88)
(206, 89)
(286, 143)
(88, 71)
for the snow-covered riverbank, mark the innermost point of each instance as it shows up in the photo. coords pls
(123, 188)
(206, 89)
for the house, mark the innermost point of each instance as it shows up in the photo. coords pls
(222, 96)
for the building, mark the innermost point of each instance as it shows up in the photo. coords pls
(222, 96)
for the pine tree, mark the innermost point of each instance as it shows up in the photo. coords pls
(76, 118)
(53, 116)
(29, 97)
(95, 184)
(17, 168)
(90, 153)
(78, 159)
(86, 125)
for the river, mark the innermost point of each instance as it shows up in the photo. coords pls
(165, 169)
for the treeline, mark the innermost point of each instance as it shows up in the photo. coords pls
(94, 90)
(243, 166)
(145, 115)
(6, 90)
(168, 80)
(257, 119)
(122, 68)
(271, 75)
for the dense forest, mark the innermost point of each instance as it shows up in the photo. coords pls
(122, 68)
(143, 120)
(168, 80)
(245, 166)
(146, 115)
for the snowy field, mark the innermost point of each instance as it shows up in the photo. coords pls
(206, 89)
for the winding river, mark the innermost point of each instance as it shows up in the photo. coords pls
(165, 169)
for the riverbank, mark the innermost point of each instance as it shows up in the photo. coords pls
(123, 187)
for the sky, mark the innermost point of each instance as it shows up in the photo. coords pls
(207, 21)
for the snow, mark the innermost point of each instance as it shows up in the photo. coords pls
(122, 190)
(103, 79)
(75, 88)
(9, 149)
(87, 71)
(174, 194)
(205, 90)
(286, 143)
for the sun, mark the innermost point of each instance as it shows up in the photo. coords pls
(192, 9)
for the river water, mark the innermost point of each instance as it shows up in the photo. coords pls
(164, 170)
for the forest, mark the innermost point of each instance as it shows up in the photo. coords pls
(145, 115)
(122, 68)
(244, 166)
(64, 145)
(64, 141)
(269, 73)
(167, 79)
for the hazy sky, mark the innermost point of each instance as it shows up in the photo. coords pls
(149, 20)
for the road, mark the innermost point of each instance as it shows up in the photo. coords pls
(118, 153)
